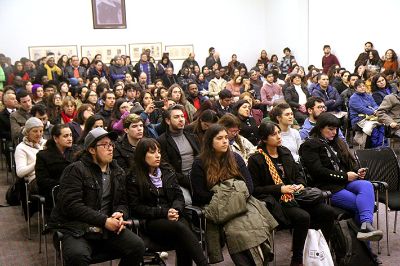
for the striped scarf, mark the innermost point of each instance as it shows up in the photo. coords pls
(287, 197)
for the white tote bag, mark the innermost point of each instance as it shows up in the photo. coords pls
(316, 251)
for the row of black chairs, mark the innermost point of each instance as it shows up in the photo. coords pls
(383, 171)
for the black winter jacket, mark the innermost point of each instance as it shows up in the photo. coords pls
(50, 164)
(79, 198)
(124, 153)
(320, 163)
(155, 203)
(292, 97)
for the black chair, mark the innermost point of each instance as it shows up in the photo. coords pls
(152, 249)
(383, 167)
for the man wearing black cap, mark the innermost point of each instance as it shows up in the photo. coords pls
(91, 205)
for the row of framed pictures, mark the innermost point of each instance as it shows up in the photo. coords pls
(176, 52)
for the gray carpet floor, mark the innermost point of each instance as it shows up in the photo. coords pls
(17, 249)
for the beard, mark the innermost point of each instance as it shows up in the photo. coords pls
(103, 159)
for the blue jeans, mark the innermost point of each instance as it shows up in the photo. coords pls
(358, 197)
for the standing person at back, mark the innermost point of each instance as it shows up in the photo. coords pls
(328, 59)
(179, 148)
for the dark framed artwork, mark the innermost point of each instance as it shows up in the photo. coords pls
(109, 14)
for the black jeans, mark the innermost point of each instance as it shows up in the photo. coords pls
(127, 245)
(178, 235)
(319, 216)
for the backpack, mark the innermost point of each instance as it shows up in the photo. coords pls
(13, 194)
(348, 249)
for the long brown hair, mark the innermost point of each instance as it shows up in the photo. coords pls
(221, 169)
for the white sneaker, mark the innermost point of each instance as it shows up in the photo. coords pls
(163, 255)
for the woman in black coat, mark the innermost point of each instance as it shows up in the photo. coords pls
(52, 160)
(332, 167)
(278, 191)
(155, 196)
(296, 96)
(248, 125)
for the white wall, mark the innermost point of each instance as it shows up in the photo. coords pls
(231, 26)
(222, 24)
(347, 24)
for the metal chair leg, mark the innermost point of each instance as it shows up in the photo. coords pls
(387, 223)
(273, 246)
(1, 153)
(44, 236)
(377, 218)
(39, 227)
(61, 255)
(395, 222)
(27, 210)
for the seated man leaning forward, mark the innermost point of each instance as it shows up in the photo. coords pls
(91, 205)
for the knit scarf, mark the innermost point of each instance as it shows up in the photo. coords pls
(50, 71)
(66, 118)
(156, 179)
(287, 197)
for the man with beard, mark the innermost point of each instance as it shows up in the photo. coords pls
(106, 110)
(169, 77)
(315, 106)
(328, 59)
(364, 56)
(194, 97)
(346, 94)
(190, 62)
(147, 67)
(179, 148)
(91, 208)
(19, 117)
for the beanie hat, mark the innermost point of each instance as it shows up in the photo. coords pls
(31, 123)
(35, 87)
(237, 105)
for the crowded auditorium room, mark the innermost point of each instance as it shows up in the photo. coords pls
(227, 132)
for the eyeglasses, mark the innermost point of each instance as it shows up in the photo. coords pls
(321, 107)
(106, 145)
(234, 131)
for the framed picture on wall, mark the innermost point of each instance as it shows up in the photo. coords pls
(37, 52)
(107, 51)
(109, 14)
(136, 49)
(179, 52)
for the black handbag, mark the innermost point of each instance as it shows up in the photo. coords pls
(309, 196)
